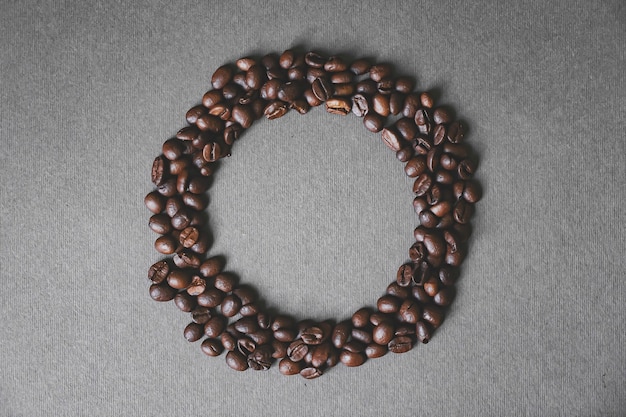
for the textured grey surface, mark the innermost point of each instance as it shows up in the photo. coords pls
(313, 210)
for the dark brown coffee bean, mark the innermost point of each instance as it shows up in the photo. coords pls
(179, 279)
(472, 192)
(411, 105)
(320, 354)
(212, 347)
(285, 334)
(314, 335)
(352, 358)
(374, 350)
(428, 219)
(341, 333)
(361, 317)
(360, 66)
(160, 170)
(380, 71)
(297, 73)
(290, 91)
(386, 86)
(344, 89)
(431, 286)
(221, 76)
(160, 223)
(448, 275)
(280, 349)
(155, 202)
(415, 166)
(188, 133)
(396, 103)
(405, 84)
(322, 89)
(419, 294)
(338, 105)
(231, 304)
(374, 122)
(466, 169)
(388, 304)
(246, 294)
(288, 367)
(211, 98)
(392, 139)
(396, 290)
(277, 73)
(360, 105)
(286, 59)
(311, 373)
(441, 115)
(193, 332)
(335, 64)
(215, 326)
(433, 316)
(261, 359)
(404, 276)
(244, 115)
(195, 112)
(158, 272)
(197, 286)
(282, 322)
(380, 104)
(212, 266)
(314, 60)
(173, 149)
(463, 211)
(410, 311)
(362, 335)
(269, 90)
(422, 330)
(236, 361)
(165, 244)
(422, 184)
(210, 123)
(200, 315)
(276, 109)
(435, 244)
(427, 100)
(297, 350)
(228, 341)
(400, 344)
(383, 333)
(405, 154)
(225, 282)
(162, 292)
(300, 105)
(189, 236)
(444, 297)
(185, 302)
(456, 132)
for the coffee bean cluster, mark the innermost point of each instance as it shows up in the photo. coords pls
(226, 315)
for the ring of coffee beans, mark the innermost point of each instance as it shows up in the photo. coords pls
(228, 315)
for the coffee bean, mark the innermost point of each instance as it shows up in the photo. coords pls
(456, 132)
(212, 347)
(297, 350)
(314, 335)
(352, 358)
(314, 60)
(361, 317)
(261, 358)
(392, 139)
(400, 344)
(244, 115)
(362, 335)
(210, 123)
(341, 333)
(410, 311)
(275, 109)
(160, 223)
(463, 211)
(427, 100)
(231, 304)
(360, 66)
(285, 334)
(280, 349)
(379, 71)
(396, 290)
(193, 332)
(374, 350)
(221, 76)
(288, 367)
(388, 304)
(405, 154)
(162, 292)
(415, 166)
(338, 105)
(322, 89)
(300, 105)
(197, 286)
(383, 333)
(236, 361)
(215, 326)
(225, 282)
(185, 302)
(228, 341)
(373, 122)
(158, 272)
(433, 316)
(435, 244)
(165, 244)
(311, 373)
(444, 297)
(155, 202)
(380, 104)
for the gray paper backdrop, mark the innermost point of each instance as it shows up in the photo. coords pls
(313, 211)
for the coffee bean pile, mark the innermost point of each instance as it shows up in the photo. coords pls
(227, 315)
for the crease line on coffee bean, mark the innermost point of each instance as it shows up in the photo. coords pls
(226, 315)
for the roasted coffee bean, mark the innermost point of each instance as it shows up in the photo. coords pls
(352, 358)
(221, 76)
(344, 89)
(236, 361)
(197, 286)
(405, 84)
(354, 346)
(433, 316)
(360, 66)
(231, 304)
(280, 349)
(195, 112)
(392, 139)
(417, 252)
(360, 105)
(383, 333)
(225, 282)
(431, 286)
(311, 373)
(314, 60)
(388, 304)
(297, 73)
(215, 326)
(246, 325)
(400, 344)
(288, 367)
(285, 334)
(300, 105)
(158, 272)
(165, 244)
(441, 115)
(246, 294)
(314, 335)
(261, 337)
(463, 211)
(374, 350)
(160, 170)
(212, 347)
(200, 315)
(380, 104)
(211, 98)
(246, 345)
(362, 335)
(244, 115)
(410, 311)
(444, 297)
(404, 154)
(411, 105)
(276, 109)
(472, 192)
(162, 292)
(322, 89)
(320, 354)
(335, 64)
(269, 90)
(287, 59)
(276, 73)
(297, 350)
(189, 236)
(396, 103)
(193, 332)
(415, 166)
(290, 91)
(261, 358)
(179, 279)
(456, 132)
(396, 290)
(422, 184)
(185, 302)
(338, 105)
(172, 149)
(428, 219)
(374, 122)
(210, 123)
(405, 275)
(386, 86)
(212, 266)
(361, 317)
(160, 223)
(341, 333)
(155, 202)
(228, 341)
(427, 100)
(435, 244)
(380, 71)
(448, 275)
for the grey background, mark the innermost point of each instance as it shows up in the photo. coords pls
(314, 211)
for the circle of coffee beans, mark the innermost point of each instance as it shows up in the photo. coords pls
(227, 316)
